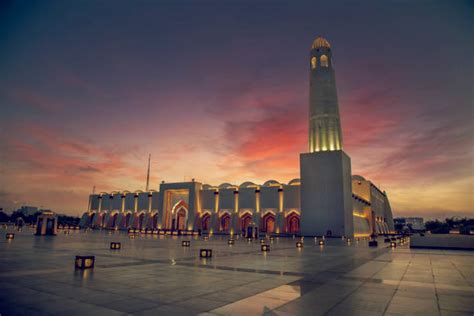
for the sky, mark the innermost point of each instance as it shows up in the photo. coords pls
(218, 91)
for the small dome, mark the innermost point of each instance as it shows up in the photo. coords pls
(295, 181)
(226, 186)
(247, 184)
(320, 42)
(271, 183)
(358, 178)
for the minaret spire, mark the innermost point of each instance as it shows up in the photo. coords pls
(148, 173)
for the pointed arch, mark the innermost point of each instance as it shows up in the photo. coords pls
(225, 222)
(206, 221)
(268, 222)
(292, 223)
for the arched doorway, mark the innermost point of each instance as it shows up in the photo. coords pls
(102, 219)
(245, 221)
(293, 223)
(113, 220)
(206, 221)
(140, 220)
(127, 220)
(155, 221)
(269, 223)
(225, 222)
(181, 219)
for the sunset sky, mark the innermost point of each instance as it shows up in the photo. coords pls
(218, 91)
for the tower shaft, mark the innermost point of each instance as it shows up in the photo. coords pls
(324, 122)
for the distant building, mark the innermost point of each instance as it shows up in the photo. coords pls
(410, 223)
(28, 210)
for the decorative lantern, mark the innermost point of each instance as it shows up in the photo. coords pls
(115, 245)
(9, 236)
(84, 262)
(262, 241)
(205, 253)
(186, 243)
(230, 242)
(299, 244)
(265, 247)
(393, 244)
(321, 242)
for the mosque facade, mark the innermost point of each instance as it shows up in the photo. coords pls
(325, 200)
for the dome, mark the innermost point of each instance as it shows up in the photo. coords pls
(358, 178)
(271, 183)
(247, 184)
(295, 181)
(226, 186)
(320, 42)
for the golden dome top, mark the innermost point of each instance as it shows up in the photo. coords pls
(320, 42)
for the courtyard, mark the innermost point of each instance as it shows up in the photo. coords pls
(154, 275)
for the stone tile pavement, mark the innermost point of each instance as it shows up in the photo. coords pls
(154, 275)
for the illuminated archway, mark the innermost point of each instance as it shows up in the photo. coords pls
(155, 221)
(268, 223)
(313, 63)
(140, 220)
(127, 219)
(225, 222)
(205, 221)
(245, 221)
(181, 219)
(293, 223)
(113, 220)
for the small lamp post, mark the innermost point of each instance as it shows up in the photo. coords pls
(84, 262)
(205, 253)
(115, 245)
(265, 248)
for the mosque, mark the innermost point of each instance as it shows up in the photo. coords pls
(326, 200)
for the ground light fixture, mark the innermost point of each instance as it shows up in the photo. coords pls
(115, 245)
(230, 242)
(299, 244)
(9, 236)
(84, 262)
(321, 242)
(393, 244)
(205, 253)
(206, 237)
(265, 248)
(186, 243)
(249, 239)
(262, 241)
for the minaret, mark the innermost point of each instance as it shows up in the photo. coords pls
(148, 174)
(326, 186)
(324, 123)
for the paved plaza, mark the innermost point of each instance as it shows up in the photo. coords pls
(155, 275)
